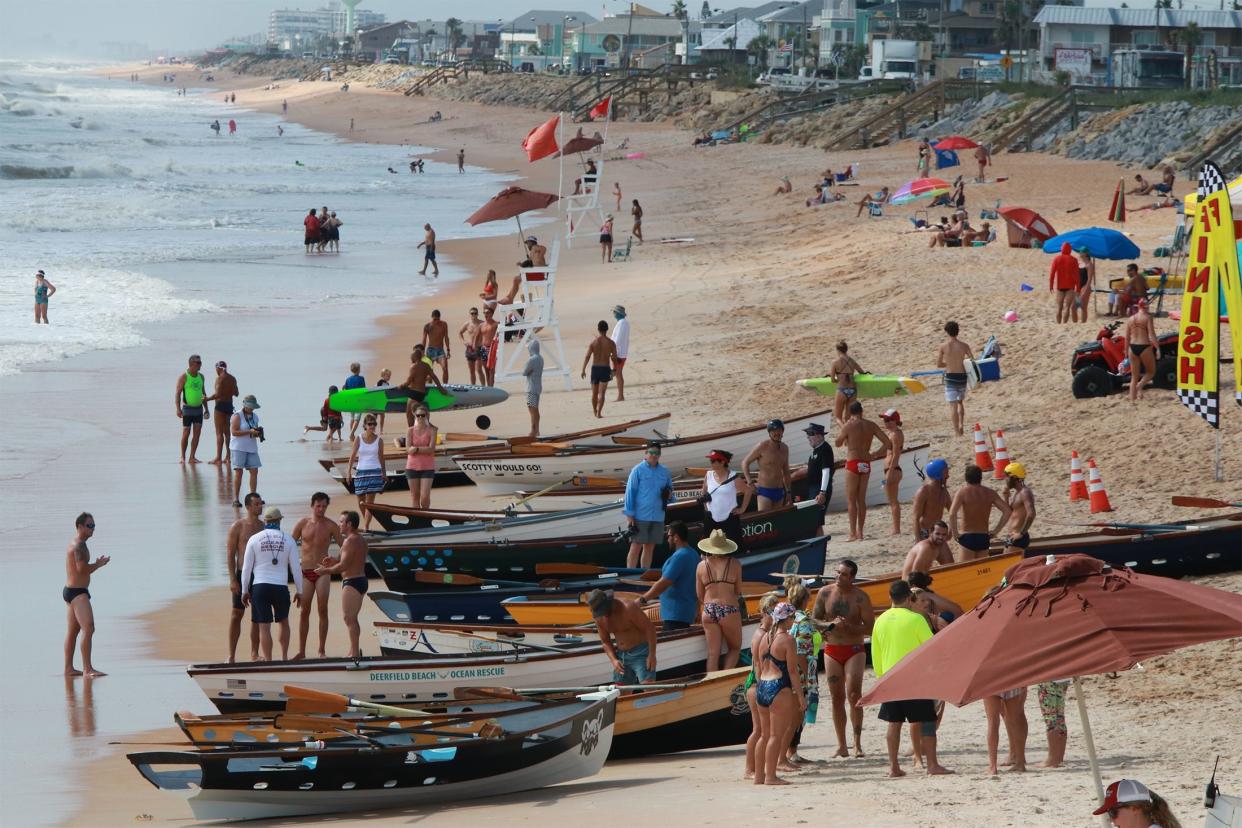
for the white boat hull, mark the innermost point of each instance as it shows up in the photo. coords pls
(599, 519)
(433, 641)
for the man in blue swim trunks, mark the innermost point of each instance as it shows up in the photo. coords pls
(436, 341)
(971, 508)
(429, 255)
(773, 482)
(633, 653)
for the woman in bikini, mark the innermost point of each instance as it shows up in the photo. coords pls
(1144, 348)
(766, 603)
(803, 632)
(720, 491)
(719, 587)
(490, 289)
(1086, 282)
(779, 698)
(842, 372)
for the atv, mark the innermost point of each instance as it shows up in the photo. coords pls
(1102, 367)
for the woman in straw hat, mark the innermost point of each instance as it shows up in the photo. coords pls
(719, 587)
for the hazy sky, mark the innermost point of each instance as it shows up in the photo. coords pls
(74, 28)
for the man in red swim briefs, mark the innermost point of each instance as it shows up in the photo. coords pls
(845, 616)
(857, 435)
(313, 535)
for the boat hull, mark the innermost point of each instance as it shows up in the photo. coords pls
(1207, 546)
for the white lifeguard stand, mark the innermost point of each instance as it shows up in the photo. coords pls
(535, 300)
(580, 208)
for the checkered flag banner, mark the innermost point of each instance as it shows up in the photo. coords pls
(1204, 403)
(1210, 180)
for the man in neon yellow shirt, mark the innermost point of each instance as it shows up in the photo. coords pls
(896, 634)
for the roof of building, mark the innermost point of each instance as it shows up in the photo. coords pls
(752, 12)
(640, 26)
(1167, 18)
(961, 20)
(547, 17)
(796, 13)
(714, 39)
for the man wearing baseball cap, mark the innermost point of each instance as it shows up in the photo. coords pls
(621, 337)
(1131, 804)
(932, 499)
(225, 392)
(1022, 501)
(773, 481)
(892, 464)
(820, 467)
(271, 556)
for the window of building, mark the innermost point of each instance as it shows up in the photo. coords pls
(1082, 37)
(1144, 38)
(987, 8)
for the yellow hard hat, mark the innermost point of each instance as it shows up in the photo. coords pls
(1016, 470)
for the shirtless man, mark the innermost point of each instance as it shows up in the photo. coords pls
(1021, 501)
(773, 481)
(933, 551)
(982, 158)
(487, 342)
(932, 500)
(436, 343)
(190, 400)
(844, 615)
(633, 653)
(416, 382)
(225, 392)
(601, 354)
(892, 464)
(975, 502)
(77, 595)
(952, 358)
(536, 254)
(352, 567)
(313, 534)
(429, 255)
(234, 550)
(857, 435)
(469, 336)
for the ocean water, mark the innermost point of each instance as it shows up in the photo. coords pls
(164, 240)
(104, 180)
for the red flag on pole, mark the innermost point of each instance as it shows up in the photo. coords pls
(541, 142)
(600, 110)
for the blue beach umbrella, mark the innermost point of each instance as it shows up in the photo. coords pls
(1101, 242)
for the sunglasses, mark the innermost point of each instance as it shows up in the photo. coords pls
(90, 525)
(368, 425)
(420, 416)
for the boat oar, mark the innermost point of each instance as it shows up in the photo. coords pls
(511, 692)
(466, 437)
(570, 569)
(1204, 502)
(544, 647)
(513, 506)
(424, 576)
(307, 700)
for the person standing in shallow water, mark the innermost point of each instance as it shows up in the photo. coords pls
(191, 402)
(43, 291)
(77, 595)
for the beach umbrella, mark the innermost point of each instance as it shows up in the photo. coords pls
(1024, 225)
(954, 142)
(921, 188)
(581, 143)
(510, 203)
(1060, 617)
(1101, 242)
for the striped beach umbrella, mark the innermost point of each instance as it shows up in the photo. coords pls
(921, 188)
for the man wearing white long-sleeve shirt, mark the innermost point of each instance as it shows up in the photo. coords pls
(271, 555)
(620, 336)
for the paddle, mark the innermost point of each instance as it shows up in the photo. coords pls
(460, 692)
(514, 644)
(512, 506)
(584, 481)
(466, 437)
(446, 578)
(1204, 502)
(307, 700)
(569, 569)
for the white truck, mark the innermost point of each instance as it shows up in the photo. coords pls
(892, 60)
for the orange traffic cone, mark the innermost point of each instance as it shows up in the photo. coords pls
(983, 458)
(1095, 489)
(1002, 455)
(1078, 486)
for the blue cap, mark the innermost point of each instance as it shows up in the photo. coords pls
(937, 469)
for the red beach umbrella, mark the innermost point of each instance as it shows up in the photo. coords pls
(1060, 618)
(581, 143)
(954, 142)
(509, 203)
(1026, 225)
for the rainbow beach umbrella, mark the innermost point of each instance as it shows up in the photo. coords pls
(921, 188)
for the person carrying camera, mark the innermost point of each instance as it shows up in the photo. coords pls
(648, 489)
(244, 445)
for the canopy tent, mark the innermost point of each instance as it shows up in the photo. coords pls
(1026, 225)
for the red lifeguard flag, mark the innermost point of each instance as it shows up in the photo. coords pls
(541, 142)
(600, 110)
(1117, 212)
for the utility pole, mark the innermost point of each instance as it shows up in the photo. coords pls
(628, 33)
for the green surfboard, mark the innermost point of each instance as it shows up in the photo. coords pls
(393, 398)
(869, 386)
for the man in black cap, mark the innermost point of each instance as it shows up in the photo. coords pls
(772, 483)
(819, 468)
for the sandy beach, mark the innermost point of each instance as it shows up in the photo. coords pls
(722, 326)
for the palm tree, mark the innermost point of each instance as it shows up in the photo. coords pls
(1191, 36)
(758, 48)
(455, 36)
(679, 9)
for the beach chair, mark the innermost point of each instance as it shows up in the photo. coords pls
(991, 215)
(619, 255)
(919, 220)
(875, 209)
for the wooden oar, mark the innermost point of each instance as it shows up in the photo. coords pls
(466, 437)
(445, 578)
(570, 569)
(1204, 502)
(584, 481)
(510, 692)
(543, 647)
(531, 497)
(320, 701)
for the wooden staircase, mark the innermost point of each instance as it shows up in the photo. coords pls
(812, 100)
(1018, 136)
(461, 69)
(1225, 151)
(925, 102)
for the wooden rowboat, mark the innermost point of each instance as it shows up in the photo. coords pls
(528, 748)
